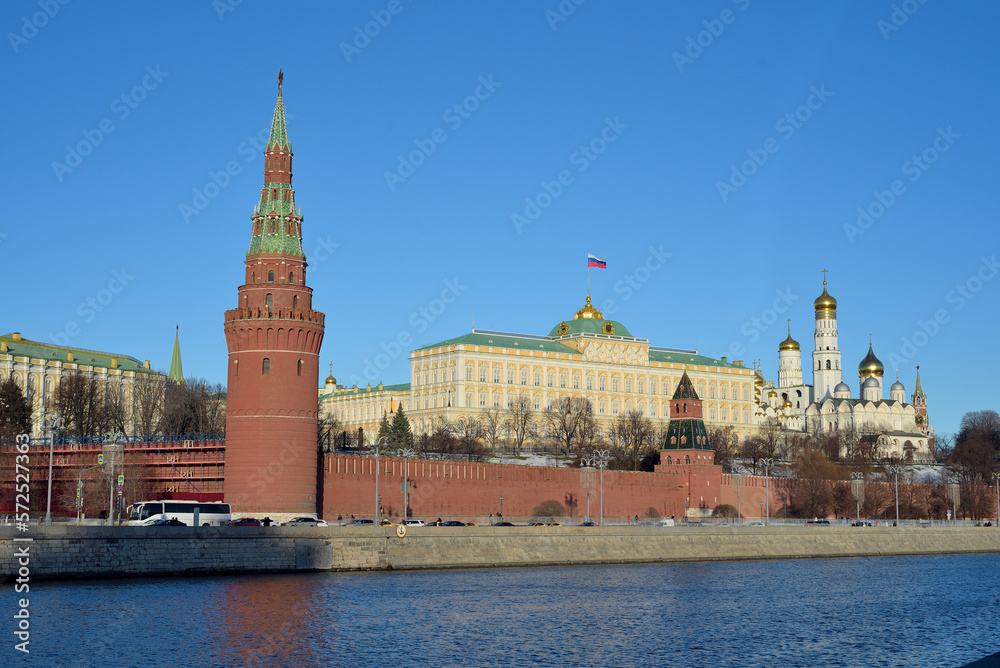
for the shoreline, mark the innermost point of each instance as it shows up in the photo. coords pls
(71, 552)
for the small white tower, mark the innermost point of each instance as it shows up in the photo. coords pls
(870, 390)
(789, 362)
(897, 392)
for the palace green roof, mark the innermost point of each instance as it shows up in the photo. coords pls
(506, 341)
(349, 391)
(83, 357)
(685, 357)
(589, 326)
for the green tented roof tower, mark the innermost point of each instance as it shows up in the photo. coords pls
(176, 371)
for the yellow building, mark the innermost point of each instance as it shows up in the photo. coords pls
(37, 368)
(587, 357)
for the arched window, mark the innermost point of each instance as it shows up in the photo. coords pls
(291, 277)
(236, 367)
(670, 460)
(819, 365)
(266, 367)
(253, 276)
(828, 364)
(269, 302)
(295, 301)
(628, 384)
(299, 369)
(270, 276)
(614, 383)
(687, 458)
(711, 391)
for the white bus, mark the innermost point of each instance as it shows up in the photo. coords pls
(209, 514)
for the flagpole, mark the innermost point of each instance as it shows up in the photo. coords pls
(588, 272)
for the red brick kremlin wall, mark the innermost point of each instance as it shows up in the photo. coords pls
(451, 489)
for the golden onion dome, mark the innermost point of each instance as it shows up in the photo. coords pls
(825, 302)
(588, 311)
(758, 381)
(870, 365)
(789, 343)
(772, 394)
(787, 404)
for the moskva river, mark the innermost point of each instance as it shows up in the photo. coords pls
(912, 611)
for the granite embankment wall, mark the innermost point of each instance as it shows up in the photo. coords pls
(73, 552)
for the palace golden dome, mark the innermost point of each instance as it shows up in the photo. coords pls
(825, 302)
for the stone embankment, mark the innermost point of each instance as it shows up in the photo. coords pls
(80, 552)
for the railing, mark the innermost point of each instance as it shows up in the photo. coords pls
(69, 441)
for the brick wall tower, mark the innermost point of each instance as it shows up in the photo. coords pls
(274, 337)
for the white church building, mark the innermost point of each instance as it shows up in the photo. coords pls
(901, 429)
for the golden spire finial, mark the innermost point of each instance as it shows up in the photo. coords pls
(824, 275)
(281, 77)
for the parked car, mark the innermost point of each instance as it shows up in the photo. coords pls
(386, 523)
(305, 522)
(826, 522)
(587, 524)
(452, 523)
(168, 522)
(504, 524)
(536, 524)
(245, 522)
(361, 523)
(414, 523)
(553, 524)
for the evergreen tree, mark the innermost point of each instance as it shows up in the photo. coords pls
(400, 436)
(384, 430)
(15, 411)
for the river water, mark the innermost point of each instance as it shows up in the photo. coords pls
(909, 611)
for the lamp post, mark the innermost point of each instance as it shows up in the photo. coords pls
(952, 487)
(767, 462)
(738, 477)
(406, 454)
(601, 459)
(114, 437)
(501, 509)
(589, 462)
(54, 425)
(895, 470)
(858, 487)
(376, 447)
(996, 479)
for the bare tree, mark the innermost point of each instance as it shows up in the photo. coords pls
(519, 416)
(80, 405)
(492, 422)
(634, 434)
(147, 403)
(564, 420)
(725, 443)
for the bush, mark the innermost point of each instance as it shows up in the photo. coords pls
(653, 513)
(549, 509)
(724, 510)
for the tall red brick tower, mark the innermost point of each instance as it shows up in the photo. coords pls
(274, 337)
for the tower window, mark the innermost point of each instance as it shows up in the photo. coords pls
(269, 302)
(270, 276)
(828, 364)
(236, 367)
(265, 368)
(253, 277)
(295, 301)
(291, 277)
(299, 368)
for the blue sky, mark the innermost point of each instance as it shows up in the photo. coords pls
(715, 154)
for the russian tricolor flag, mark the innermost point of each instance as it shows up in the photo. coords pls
(594, 261)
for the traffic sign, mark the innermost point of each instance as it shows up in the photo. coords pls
(100, 459)
(121, 480)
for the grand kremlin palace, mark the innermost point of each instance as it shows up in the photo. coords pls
(458, 380)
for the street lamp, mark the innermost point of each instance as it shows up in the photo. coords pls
(406, 454)
(54, 425)
(601, 459)
(895, 470)
(589, 462)
(767, 462)
(996, 479)
(952, 488)
(114, 437)
(378, 506)
(738, 477)
(858, 488)
(501, 509)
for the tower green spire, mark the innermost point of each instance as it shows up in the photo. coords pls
(279, 132)
(176, 372)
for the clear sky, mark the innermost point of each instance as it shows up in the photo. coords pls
(459, 161)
